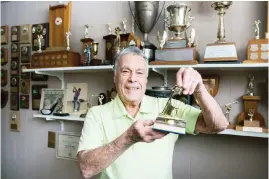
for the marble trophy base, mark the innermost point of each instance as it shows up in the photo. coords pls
(221, 52)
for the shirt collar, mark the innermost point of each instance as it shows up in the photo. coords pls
(120, 110)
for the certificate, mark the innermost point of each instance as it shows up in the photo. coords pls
(67, 145)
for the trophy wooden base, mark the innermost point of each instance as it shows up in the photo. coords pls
(95, 62)
(231, 126)
(255, 61)
(257, 51)
(52, 59)
(179, 55)
(218, 52)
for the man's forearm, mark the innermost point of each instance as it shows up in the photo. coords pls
(214, 118)
(94, 161)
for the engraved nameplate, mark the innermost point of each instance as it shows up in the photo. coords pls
(220, 51)
(254, 56)
(264, 55)
(264, 47)
(254, 47)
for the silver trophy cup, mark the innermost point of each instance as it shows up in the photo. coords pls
(178, 19)
(146, 16)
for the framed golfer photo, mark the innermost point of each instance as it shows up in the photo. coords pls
(53, 99)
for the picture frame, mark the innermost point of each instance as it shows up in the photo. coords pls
(67, 145)
(51, 96)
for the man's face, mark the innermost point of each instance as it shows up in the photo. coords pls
(131, 78)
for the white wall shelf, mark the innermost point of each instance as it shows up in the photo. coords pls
(60, 118)
(243, 133)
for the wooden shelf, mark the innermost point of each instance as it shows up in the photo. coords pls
(242, 133)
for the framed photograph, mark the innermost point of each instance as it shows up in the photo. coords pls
(51, 97)
(67, 145)
(77, 98)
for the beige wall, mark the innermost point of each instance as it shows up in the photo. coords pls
(25, 154)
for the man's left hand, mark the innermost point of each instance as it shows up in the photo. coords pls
(189, 79)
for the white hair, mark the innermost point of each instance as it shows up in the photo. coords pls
(130, 50)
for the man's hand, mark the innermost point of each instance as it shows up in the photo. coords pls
(141, 131)
(189, 79)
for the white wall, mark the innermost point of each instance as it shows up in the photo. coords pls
(25, 154)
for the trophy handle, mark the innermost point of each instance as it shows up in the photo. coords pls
(134, 15)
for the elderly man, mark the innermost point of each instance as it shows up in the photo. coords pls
(117, 138)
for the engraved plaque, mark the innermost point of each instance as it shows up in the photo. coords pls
(25, 75)
(4, 34)
(264, 56)
(25, 53)
(254, 47)
(14, 66)
(254, 56)
(25, 33)
(24, 101)
(14, 101)
(14, 84)
(25, 86)
(264, 47)
(14, 50)
(15, 33)
(4, 56)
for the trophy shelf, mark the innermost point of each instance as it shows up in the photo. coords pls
(243, 133)
(61, 119)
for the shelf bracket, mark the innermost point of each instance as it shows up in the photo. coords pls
(62, 125)
(59, 75)
(163, 73)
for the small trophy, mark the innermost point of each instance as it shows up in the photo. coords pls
(221, 50)
(39, 37)
(87, 54)
(124, 26)
(250, 119)
(117, 44)
(94, 60)
(171, 118)
(257, 29)
(162, 39)
(68, 40)
(86, 34)
(227, 114)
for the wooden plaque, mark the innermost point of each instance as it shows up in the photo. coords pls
(4, 34)
(51, 59)
(60, 23)
(24, 101)
(40, 29)
(25, 53)
(4, 56)
(26, 33)
(14, 101)
(14, 66)
(3, 77)
(36, 95)
(4, 98)
(15, 50)
(25, 75)
(14, 84)
(258, 50)
(15, 33)
(25, 86)
(108, 49)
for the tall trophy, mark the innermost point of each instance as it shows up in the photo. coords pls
(177, 50)
(95, 61)
(59, 53)
(86, 47)
(221, 50)
(146, 16)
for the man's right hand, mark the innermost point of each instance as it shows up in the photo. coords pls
(141, 131)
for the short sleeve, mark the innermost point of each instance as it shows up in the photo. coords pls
(92, 133)
(190, 114)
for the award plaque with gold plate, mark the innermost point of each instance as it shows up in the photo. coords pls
(25, 33)
(59, 53)
(25, 53)
(4, 34)
(3, 77)
(14, 121)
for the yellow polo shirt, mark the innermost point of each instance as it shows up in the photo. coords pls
(142, 160)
